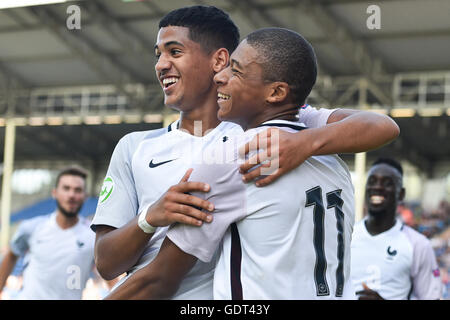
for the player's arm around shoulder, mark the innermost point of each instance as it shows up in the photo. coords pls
(376, 129)
(346, 131)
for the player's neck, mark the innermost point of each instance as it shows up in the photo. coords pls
(199, 120)
(65, 222)
(288, 112)
(379, 223)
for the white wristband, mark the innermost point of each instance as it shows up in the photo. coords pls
(144, 225)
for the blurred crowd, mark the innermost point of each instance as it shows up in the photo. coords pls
(434, 224)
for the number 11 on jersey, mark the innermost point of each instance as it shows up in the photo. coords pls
(334, 200)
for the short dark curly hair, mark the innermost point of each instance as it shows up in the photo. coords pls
(71, 171)
(287, 57)
(209, 26)
(390, 162)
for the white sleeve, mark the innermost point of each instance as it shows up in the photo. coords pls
(118, 202)
(314, 118)
(427, 283)
(19, 243)
(227, 193)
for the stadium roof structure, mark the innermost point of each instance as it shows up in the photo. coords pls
(74, 93)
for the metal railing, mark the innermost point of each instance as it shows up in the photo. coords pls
(427, 93)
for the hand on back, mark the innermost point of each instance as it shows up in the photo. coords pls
(178, 205)
(278, 154)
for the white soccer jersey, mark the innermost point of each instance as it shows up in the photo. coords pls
(314, 118)
(59, 260)
(288, 240)
(398, 263)
(144, 165)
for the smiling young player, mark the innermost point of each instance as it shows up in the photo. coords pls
(389, 259)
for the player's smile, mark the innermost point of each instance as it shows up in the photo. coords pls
(223, 100)
(169, 83)
(376, 199)
(71, 205)
(222, 96)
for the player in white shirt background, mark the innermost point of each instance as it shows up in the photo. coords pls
(59, 246)
(390, 260)
(146, 170)
(291, 239)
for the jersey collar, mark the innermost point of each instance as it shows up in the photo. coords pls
(174, 125)
(175, 128)
(395, 228)
(284, 124)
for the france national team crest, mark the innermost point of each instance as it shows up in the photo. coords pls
(106, 190)
(80, 244)
(391, 253)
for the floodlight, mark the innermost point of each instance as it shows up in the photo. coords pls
(4, 4)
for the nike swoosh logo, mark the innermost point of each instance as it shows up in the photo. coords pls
(154, 165)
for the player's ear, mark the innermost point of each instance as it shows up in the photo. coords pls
(277, 92)
(221, 59)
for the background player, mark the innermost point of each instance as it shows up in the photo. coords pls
(390, 260)
(60, 245)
